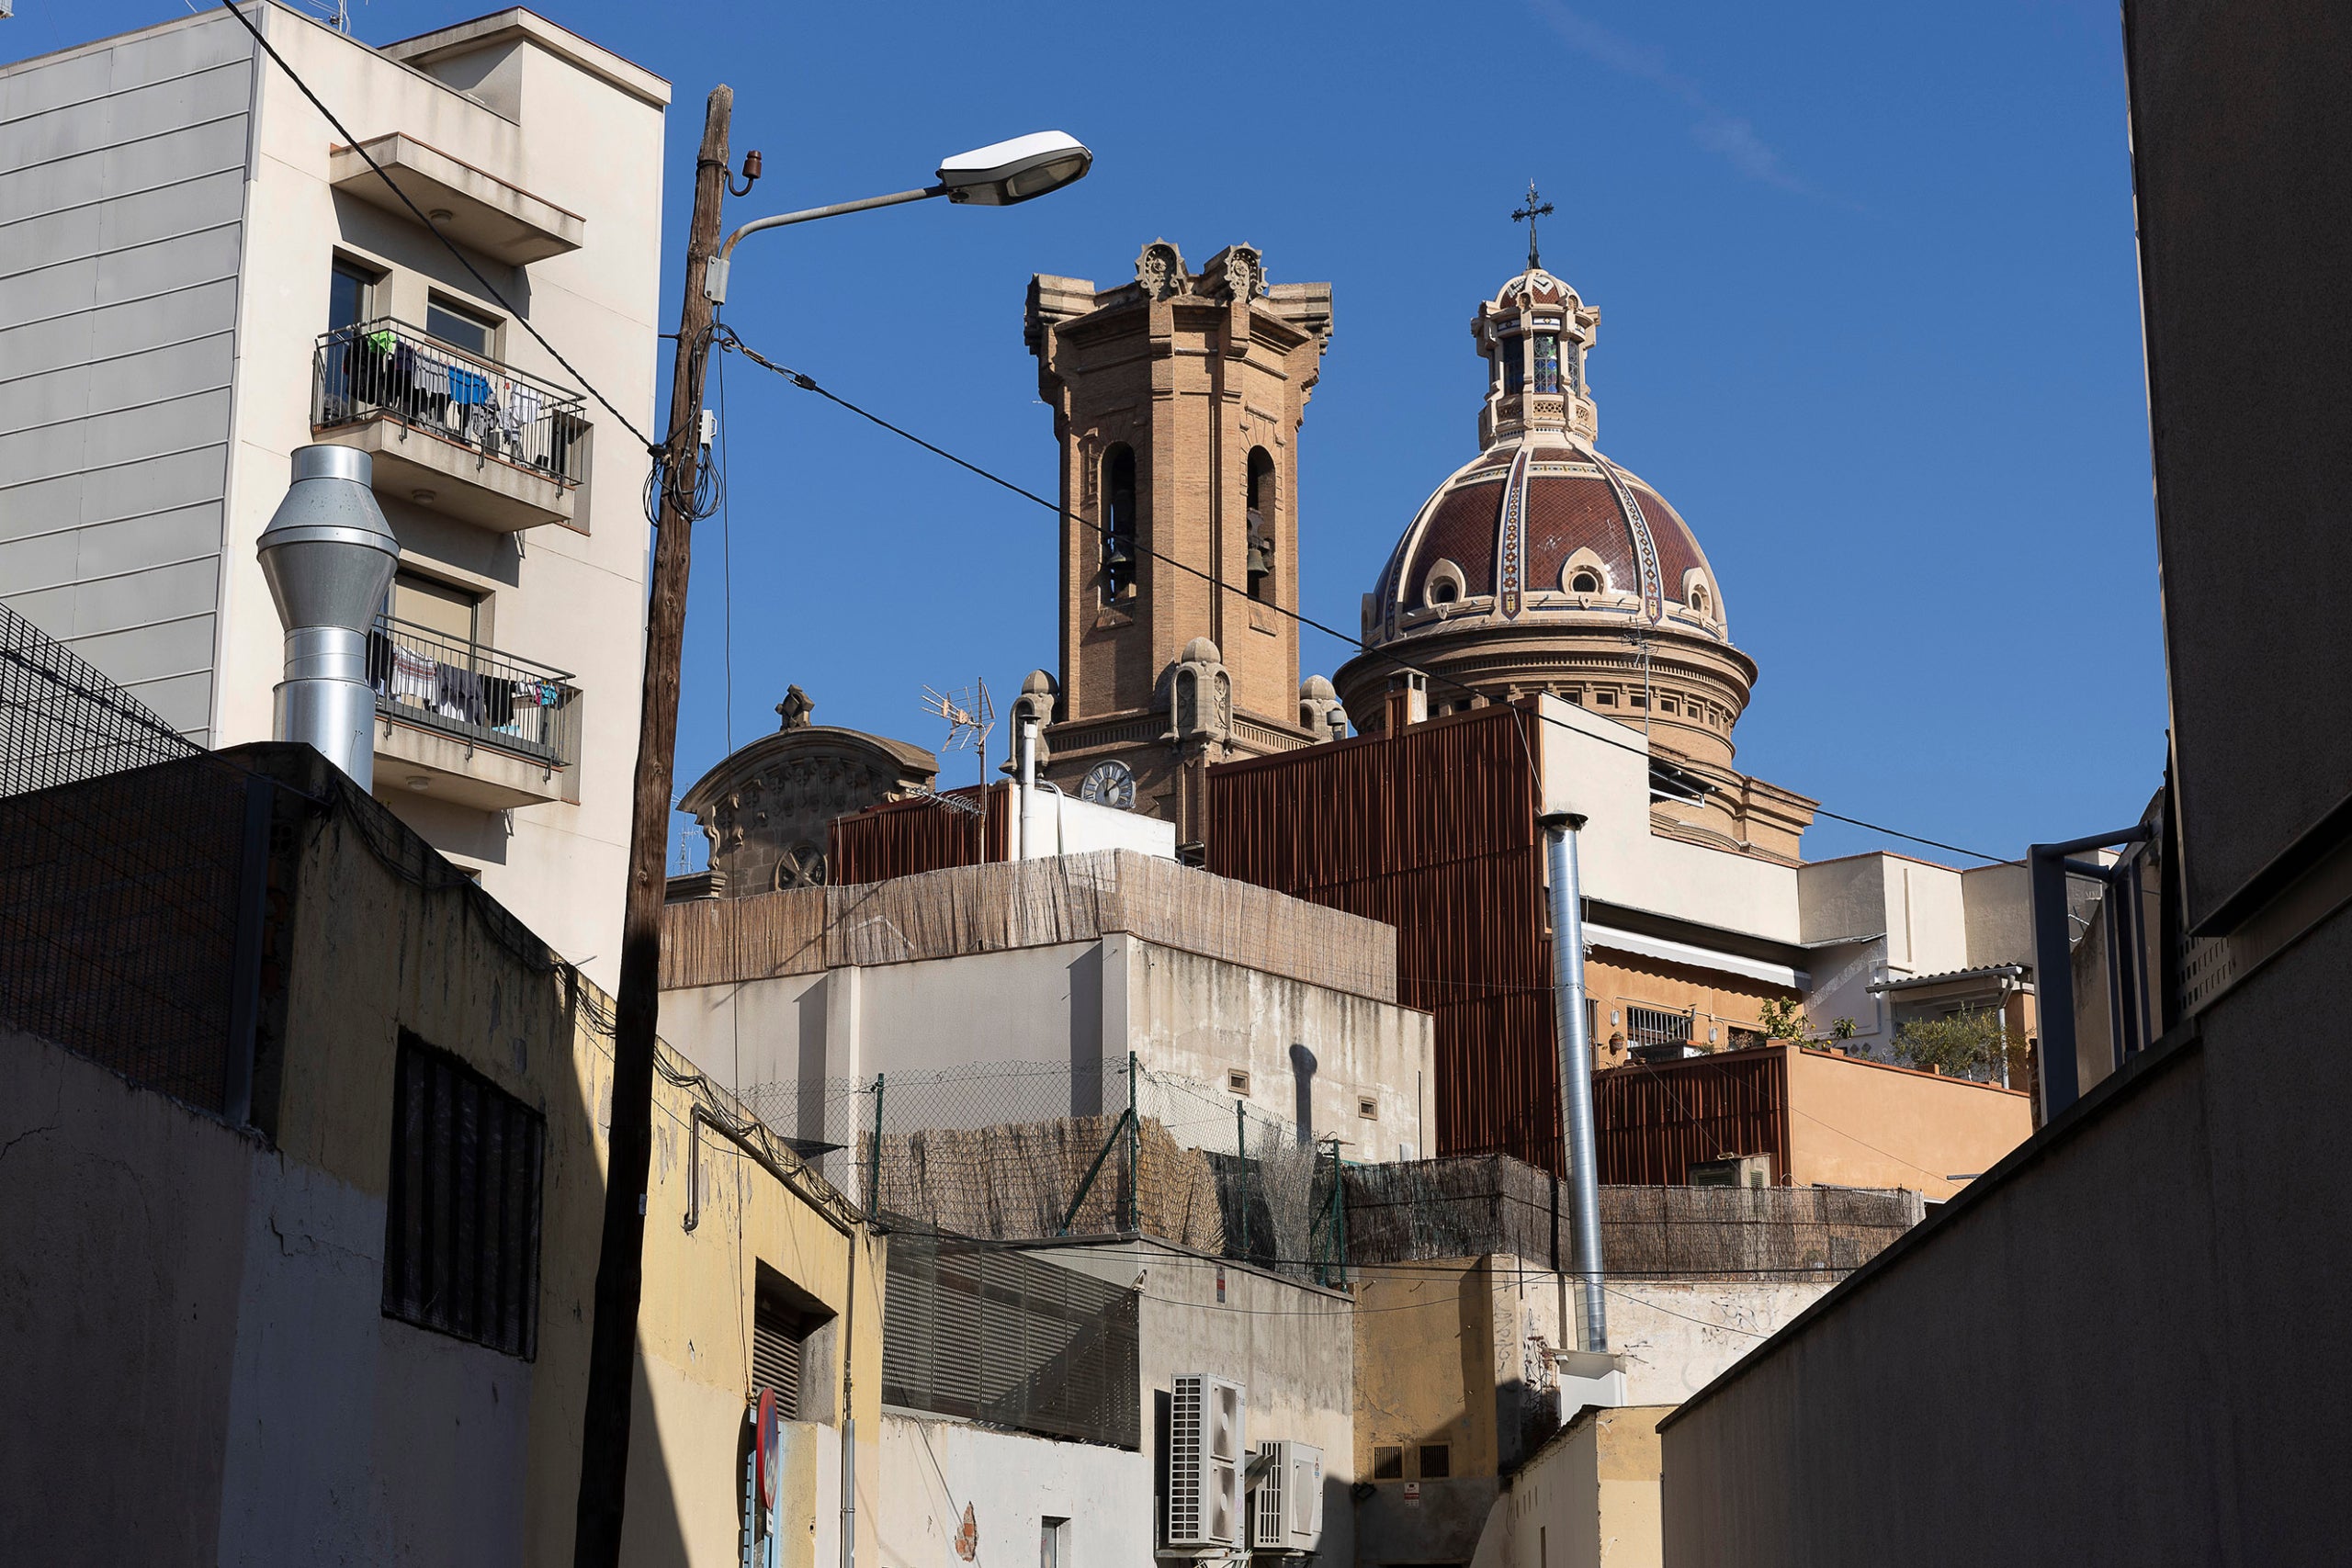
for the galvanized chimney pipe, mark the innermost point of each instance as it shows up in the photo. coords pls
(1560, 829)
(329, 557)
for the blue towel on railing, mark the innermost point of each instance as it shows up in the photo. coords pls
(468, 387)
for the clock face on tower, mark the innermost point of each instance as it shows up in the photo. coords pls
(1111, 783)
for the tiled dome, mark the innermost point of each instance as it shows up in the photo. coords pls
(1541, 525)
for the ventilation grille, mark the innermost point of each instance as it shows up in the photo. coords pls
(778, 1336)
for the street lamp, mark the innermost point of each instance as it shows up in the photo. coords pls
(1002, 173)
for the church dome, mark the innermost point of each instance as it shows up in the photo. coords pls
(1541, 565)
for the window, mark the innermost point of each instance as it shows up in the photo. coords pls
(1514, 352)
(351, 295)
(779, 1344)
(1368, 1107)
(1699, 600)
(1259, 560)
(1118, 524)
(1236, 1080)
(444, 609)
(1547, 362)
(460, 328)
(1388, 1464)
(461, 1221)
(1606, 699)
(1053, 1542)
(1586, 580)
(1444, 591)
(1437, 1461)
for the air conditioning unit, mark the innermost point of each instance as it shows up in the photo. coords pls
(1286, 1509)
(1208, 1455)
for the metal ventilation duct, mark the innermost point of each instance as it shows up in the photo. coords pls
(329, 557)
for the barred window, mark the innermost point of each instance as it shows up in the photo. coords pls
(461, 1225)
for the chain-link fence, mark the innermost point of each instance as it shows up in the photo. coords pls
(127, 855)
(1019, 1151)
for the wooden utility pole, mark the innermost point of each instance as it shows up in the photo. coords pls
(620, 1265)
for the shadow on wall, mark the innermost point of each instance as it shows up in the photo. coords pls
(652, 1534)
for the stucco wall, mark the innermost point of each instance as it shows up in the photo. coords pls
(204, 1305)
(1589, 768)
(2152, 1324)
(1857, 1123)
(1589, 1499)
(1071, 1005)
(1285, 1341)
(934, 1469)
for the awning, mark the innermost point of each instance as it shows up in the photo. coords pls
(1695, 957)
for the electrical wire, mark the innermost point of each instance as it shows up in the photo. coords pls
(488, 288)
(727, 340)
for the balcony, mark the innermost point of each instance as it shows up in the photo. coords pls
(454, 432)
(466, 723)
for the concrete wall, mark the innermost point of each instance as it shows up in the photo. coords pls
(1589, 768)
(571, 597)
(933, 1471)
(1679, 1335)
(204, 1305)
(2141, 1297)
(1070, 1005)
(170, 232)
(1589, 1499)
(1285, 1341)
(1859, 1123)
(122, 220)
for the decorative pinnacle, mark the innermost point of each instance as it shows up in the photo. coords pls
(1528, 215)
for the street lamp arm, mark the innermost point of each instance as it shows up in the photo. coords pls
(714, 282)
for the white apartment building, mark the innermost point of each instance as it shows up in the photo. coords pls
(199, 276)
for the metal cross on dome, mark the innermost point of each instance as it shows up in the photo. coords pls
(1528, 215)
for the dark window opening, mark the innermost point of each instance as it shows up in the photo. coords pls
(461, 1223)
(1699, 600)
(1443, 591)
(1585, 581)
(351, 296)
(1387, 1464)
(1437, 1461)
(1118, 524)
(1514, 352)
(460, 328)
(782, 1321)
(1547, 363)
(1260, 561)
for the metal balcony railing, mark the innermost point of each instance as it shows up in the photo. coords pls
(386, 368)
(475, 693)
(1657, 1026)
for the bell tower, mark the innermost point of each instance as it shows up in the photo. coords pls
(1177, 400)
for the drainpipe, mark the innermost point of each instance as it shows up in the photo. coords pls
(328, 557)
(1025, 782)
(1560, 830)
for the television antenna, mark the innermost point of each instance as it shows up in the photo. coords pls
(970, 717)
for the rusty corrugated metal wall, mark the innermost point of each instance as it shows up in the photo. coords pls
(1431, 829)
(905, 837)
(1655, 1120)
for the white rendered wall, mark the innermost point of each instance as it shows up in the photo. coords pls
(573, 597)
(1600, 769)
(933, 1470)
(1070, 1006)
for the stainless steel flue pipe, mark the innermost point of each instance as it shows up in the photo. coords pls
(1560, 829)
(329, 557)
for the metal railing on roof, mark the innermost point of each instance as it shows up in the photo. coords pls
(387, 369)
(476, 693)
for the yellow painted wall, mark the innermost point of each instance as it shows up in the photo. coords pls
(372, 951)
(1615, 980)
(1589, 1498)
(1858, 1123)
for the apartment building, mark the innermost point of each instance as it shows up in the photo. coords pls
(204, 275)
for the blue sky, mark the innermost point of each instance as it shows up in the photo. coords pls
(1870, 319)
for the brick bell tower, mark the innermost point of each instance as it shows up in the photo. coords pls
(1177, 401)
